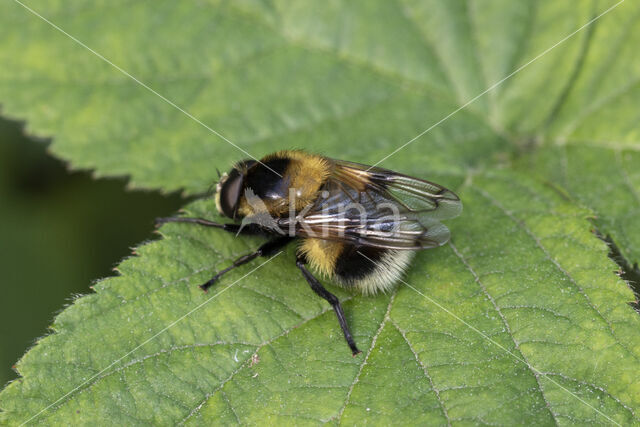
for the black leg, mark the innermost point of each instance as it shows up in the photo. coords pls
(232, 228)
(267, 249)
(331, 299)
(199, 221)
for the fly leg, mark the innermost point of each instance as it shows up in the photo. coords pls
(265, 250)
(232, 228)
(317, 287)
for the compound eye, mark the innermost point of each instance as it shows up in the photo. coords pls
(230, 193)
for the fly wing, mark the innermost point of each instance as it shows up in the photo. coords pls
(381, 208)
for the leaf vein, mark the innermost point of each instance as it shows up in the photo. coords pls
(506, 324)
(425, 371)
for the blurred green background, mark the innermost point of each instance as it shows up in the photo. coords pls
(59, 232)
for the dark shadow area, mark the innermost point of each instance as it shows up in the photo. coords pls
(59, 232)
(629, 273)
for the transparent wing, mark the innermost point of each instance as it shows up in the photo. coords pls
(381, 208)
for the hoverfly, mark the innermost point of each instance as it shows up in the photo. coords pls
(357, 225)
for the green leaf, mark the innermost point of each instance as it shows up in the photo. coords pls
(604, 178)
(268, 350)
(263, 79)
(522, 319)
(590, 146)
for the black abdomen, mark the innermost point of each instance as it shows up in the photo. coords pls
(356, 263)
(371, 270)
